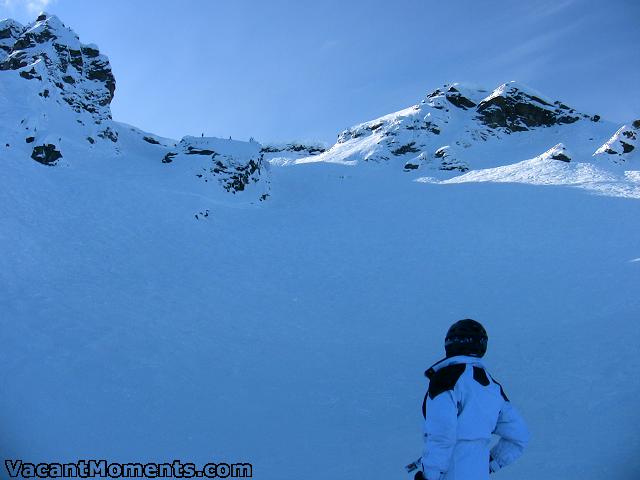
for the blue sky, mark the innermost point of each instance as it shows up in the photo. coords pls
(304, 70)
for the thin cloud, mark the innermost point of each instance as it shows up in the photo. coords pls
(30, 6)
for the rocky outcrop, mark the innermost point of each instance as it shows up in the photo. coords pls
(46, 154)
(447, 161)
(233, 164)
(557, 152)
(10, 31)
(294, 147)
(465, 117)
(404, 149)
(457, 99)
(47, 51)
(622, 144)
(513, 108)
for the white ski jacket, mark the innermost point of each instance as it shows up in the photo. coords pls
(463, 407)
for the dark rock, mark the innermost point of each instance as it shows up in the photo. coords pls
(46, 154)
(316, 150)
(76, 59)
(151, 140)
(441, 152)
(168, 158)
(626, 148)
(41, 18)
(30, 139)
(561, 156)
(404, 149)
(198, 151)
(91, 140)
(241, 176)
(457, 99)
(270, 149)
(519, 111)
(107, 133)
(8, 32)
(451, 166)
(67, 51)
(636, 124)
(30, 75)
(14, 62)
(460, 101)
(296, 147)
(595, 118)
(90, 52)
(100, 70)
(410, 166)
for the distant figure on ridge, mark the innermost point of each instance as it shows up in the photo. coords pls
(463, 407)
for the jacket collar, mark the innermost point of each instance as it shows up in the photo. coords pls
(445, 362)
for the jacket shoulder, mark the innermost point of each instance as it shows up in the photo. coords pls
(445, 379)
(504, 395)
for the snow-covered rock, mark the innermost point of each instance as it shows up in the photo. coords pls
(460, 127)
(55, 109)
(557, 152)
(50, 53)
(513, 107)
(620, 147)
(233, 164)
(287, 153)
(493, 135)
(10, 31)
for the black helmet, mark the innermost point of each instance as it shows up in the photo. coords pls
(466, 337)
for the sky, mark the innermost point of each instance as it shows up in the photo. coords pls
(285, 70)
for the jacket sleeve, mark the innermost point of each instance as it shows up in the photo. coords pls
(514, 437)
(440, 429)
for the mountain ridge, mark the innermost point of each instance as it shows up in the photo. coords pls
(455, 129)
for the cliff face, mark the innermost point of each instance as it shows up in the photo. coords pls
(51, 54)
(55, 110)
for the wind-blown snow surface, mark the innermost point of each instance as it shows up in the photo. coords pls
(217, 300)
(293, 333)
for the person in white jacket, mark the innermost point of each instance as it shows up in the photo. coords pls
(463, 407)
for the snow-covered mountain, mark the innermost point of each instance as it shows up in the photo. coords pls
(460, 129)
(216, 300)
(56, 93)
(54, 109)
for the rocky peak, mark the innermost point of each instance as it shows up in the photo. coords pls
(10, 30)
(460, 95)
(620, 146)
(513, 107)
(49, 52)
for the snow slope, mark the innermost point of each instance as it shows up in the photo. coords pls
(155, 304)
(294, 334)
